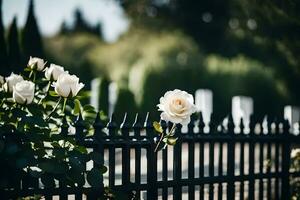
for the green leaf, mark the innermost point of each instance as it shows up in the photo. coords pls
(157, 127)
(89, 109)
(35, 110)
(171, 141)
(103, 169)
(76, 176)
(94, 177)
(35, 173)
(77, 107)
(53, 94)
(76, 164)
(81, 149)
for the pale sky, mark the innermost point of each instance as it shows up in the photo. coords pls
(51, 13)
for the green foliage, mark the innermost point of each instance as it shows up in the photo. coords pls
(158, 127)
(295, 167)
(31, 38)
(34, 141)
(14, 51)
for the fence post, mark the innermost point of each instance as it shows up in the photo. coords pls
(201, 155)
(125, 126)
(286, 152)
(98, 139)
(177, 190)
(230, 159)
(211, 165)
(251, 158)
(137, 126)
(112, 129)
(151, 161)
(191, 159)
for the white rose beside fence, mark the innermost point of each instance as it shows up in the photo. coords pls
(177, 106)
(67, 85)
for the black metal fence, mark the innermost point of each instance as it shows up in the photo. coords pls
(220, 163)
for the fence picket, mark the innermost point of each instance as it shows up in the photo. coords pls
(230, 159)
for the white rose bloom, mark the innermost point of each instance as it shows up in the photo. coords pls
(23, 92)
(177, 106)
(54, 71)
(37, 63)
(11, 81)
(67, 85)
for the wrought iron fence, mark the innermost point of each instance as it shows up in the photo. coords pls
(220, 163)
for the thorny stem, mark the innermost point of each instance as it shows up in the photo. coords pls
(46, 94)
(162, 136)
(55, 107)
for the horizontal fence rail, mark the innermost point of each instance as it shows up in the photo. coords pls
(209, 161)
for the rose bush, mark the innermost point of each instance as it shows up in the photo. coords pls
(177, 106)
(34, 121)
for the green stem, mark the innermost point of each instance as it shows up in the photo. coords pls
(162, 136)
(160, 139)
(64, 106)
(46, 94)
(34, 76)
(172, 129)
(30, 73)
(55, 107)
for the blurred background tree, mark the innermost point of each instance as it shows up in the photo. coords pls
(14, 51)
(31, 38)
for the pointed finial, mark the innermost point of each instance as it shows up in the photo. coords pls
(201, 123)
(137, 123)
(191, 125)
(125, 126)
(98, 122)
(242, 126)
(112, 126)
(252, 124)
(212, 125)
(230, 124)
(147, 123)
(286, 127)
(125, 123)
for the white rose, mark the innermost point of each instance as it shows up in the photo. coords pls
(54, 71)
(67, 85)
(11, 81)
(177, 106)
(23, 92)
(36, 63)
